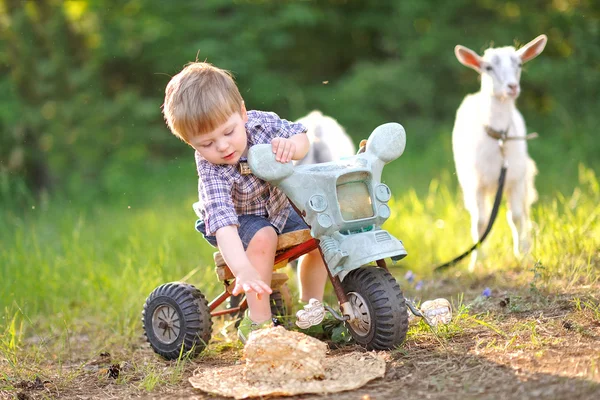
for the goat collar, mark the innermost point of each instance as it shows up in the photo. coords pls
(503, 135)
(494, 134)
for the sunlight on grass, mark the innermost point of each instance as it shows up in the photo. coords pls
(10, 340)
(153, 374)
(566, 233)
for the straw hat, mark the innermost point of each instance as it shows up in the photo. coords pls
(286, 363)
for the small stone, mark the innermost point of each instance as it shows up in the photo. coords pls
(276, 354)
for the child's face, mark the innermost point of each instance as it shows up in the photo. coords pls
(227, 143)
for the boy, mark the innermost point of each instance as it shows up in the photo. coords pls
(242, 215)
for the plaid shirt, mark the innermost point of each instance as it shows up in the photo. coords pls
(225, 193)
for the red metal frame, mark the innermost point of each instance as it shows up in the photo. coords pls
(289, 254)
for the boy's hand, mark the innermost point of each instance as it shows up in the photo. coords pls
(249, 281)
(284, 149)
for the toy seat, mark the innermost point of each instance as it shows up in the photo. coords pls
(284, 242)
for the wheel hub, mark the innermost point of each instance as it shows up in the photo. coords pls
(361, 325)
(165, 323)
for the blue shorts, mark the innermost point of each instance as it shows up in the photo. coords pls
(250, 224)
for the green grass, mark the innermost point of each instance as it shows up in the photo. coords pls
(75, 270)
(435, 227)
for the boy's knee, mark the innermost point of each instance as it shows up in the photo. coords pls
(265, 238)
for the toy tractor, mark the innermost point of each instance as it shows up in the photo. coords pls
(344, 203)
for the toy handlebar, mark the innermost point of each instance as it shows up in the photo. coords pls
(387, 142)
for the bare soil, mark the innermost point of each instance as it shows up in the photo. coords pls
(517, 344)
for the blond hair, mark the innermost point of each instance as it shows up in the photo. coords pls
(199, 99)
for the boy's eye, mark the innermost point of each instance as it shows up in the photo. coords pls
(206, 144)
(229, 133)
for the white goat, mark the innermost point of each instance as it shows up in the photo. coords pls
(481, 119)
(328, 139)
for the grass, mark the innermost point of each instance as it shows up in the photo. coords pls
(74, 277)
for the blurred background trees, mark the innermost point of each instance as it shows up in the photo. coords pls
(82, 81)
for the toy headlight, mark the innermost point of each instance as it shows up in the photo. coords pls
(383, 193)
(317, 203)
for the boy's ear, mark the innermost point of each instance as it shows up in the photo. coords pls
(244, 113)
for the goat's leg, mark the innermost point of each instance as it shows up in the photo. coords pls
(478, 208)
(518, 219)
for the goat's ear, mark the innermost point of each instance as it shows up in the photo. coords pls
(532, 49)
(468, 57)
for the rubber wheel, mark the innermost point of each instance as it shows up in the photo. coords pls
(177, 320)
(278, 306)
(279, 300)
(376, 298)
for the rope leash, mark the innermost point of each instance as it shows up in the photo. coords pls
(493, 216)
(501, 137)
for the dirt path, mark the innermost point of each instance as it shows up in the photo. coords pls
(513, 345)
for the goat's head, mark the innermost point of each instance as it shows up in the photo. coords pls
(500, 68)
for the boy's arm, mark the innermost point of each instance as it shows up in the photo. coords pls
(247, 278)
(292, 148)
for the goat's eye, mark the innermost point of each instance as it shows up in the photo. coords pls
(488, 68)
(519, 65)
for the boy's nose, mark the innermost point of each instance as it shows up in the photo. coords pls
(222, 145)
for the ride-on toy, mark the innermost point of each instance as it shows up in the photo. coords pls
(344, 203)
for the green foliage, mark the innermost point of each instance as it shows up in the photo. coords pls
(83, 81)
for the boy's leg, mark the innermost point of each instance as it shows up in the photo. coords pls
(313, 276)
(261, 253)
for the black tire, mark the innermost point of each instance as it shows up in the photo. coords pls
(279, 308)
(177, 320)
(235, 301)
(377, 299)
